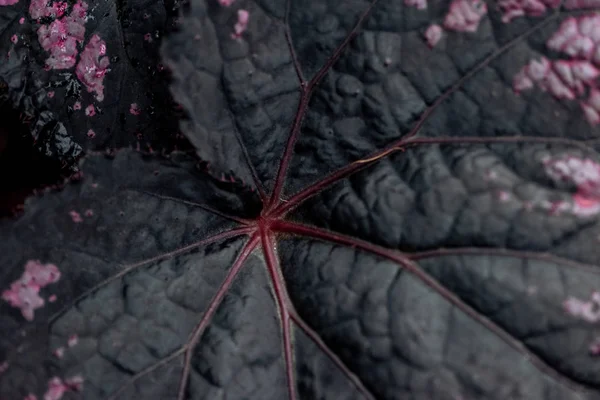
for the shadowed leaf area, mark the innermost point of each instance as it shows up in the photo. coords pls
(385, 200)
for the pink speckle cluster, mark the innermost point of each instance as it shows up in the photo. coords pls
(8, 2)
(241, 25)
(433, 34)
(77, 105)
(574, 78)
(587, 310)
(585, 174)
(520, 8)
(93, 65)
(91, 134)
(57, 387)
(62, 38)
(76, 217)
(465, 15)
(462, 16)
(226, 3)
(90, 110)
(134, 109)
(24, 292)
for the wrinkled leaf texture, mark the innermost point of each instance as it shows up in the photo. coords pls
(385, 226)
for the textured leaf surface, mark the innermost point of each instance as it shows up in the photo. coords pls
(386, 217)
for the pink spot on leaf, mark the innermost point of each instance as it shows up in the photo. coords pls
(57, 388)
(134, 109)
(14, 39)
(51, 94)
(60, 38)
(519, 8)
(21, 20)
(90, 110)
(52, 298)
(578, 39)
(148, 37)
(77, 105)
(89, 213)
(241, 24)
(585, 174)
(465, 15)
(75, 216)
(73, 340)
(433, 34)
(93, 65)
(24, 292)
(8, 2)
(226, 3)
(59, 352)
(587, 310)
(91, 134)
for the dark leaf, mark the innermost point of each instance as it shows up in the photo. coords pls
(402, 202)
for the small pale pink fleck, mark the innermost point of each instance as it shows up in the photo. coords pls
(51, 94)
(77, 105)
(148, 37)
(134, 109)
(503, 196)
(91, 134)
(241, 24)
(8, 2)
(30, 397)
(75, 216)
(89, 212)
(52, 298)
(14, 39)
(3, 367)
(146, 15)
(433, 34)
(94, 185)
(90, 111)
(59, 352)
(73, 340)
(226, 3)
(22, 20)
